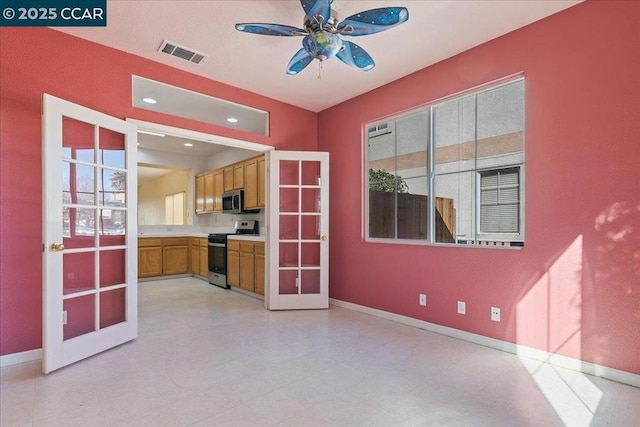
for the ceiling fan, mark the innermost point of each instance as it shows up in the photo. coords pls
(322, 30)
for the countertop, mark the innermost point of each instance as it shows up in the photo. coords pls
(167, 235)
(249, 237)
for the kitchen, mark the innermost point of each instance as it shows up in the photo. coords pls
(194, 241)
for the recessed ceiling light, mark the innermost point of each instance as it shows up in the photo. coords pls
(232, 120)
(149, 100)
(188, 144)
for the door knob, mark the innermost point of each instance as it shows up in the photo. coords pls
(323, 238)
(57, 247)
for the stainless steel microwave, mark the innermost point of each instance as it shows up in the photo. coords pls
(233, 202)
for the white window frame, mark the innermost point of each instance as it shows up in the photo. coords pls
(501, 240)
(491, 237)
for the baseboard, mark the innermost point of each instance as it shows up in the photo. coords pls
(22, 357)
(520, 350)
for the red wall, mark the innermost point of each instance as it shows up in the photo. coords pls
(575, 287)
(38, 60)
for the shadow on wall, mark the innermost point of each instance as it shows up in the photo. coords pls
(579, 295)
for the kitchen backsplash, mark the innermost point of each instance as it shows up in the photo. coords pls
(204, 224)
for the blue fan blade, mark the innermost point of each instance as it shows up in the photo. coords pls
(374, 21)
(317, 7)
(271, 29)
(355, 56)
(299, 61)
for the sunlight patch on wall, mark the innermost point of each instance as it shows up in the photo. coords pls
(549, 317)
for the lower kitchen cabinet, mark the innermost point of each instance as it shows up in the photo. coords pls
(204, 258)
(259, 264)
(245, 265)
(233, 263)
(175, 256)
(149, 257)
(194, 255)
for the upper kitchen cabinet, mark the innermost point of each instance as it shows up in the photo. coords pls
(248, 175)
(200, 191)
(254, 179)
(218, 189)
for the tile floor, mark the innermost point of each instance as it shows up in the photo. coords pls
(210, 357)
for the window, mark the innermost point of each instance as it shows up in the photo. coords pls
(450, 172)
(174, 209)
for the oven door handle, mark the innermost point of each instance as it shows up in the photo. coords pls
(217, 245)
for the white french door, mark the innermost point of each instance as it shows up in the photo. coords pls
(298, 230)
(89, 231)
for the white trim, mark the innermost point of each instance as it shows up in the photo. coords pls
(22, 357)
(589, 368)
(199, 136)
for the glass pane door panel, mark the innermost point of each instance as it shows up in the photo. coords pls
(78, 272)
(310, 227)
(112, 307)
(289, 172)
(289, 254)
(287, 282)
(78, 182)
(112, 267)
(310, 200)
(112, 227)
(288, 227)
(66, 183)
(310, 254)
(111, 149)
(78, 140)
(310, 173)
(288, 200)
(80, 316)
(78, 228)
(310, 282)
(111, 185)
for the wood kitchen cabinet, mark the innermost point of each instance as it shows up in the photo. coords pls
(209, 195)
(238, 176)
(194, 255)
(233, 263)
(175, 255)
(259, 267)
(228, 178)
(200, 190)
(245, 265)
(254, 180)
(204, 258)
(149, 257)
(262, 174)
(218, 189)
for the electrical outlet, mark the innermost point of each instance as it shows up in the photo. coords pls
(495, 314)
(462, 307)
(423, 299)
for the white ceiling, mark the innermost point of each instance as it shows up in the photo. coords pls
(435, 31)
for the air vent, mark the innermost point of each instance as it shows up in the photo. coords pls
(174, 49)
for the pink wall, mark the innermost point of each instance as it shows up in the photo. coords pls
(38, 60)
(575, 287)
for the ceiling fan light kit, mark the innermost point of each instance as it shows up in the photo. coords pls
(322, 33)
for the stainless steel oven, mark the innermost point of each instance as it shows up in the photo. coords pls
(217, 253)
